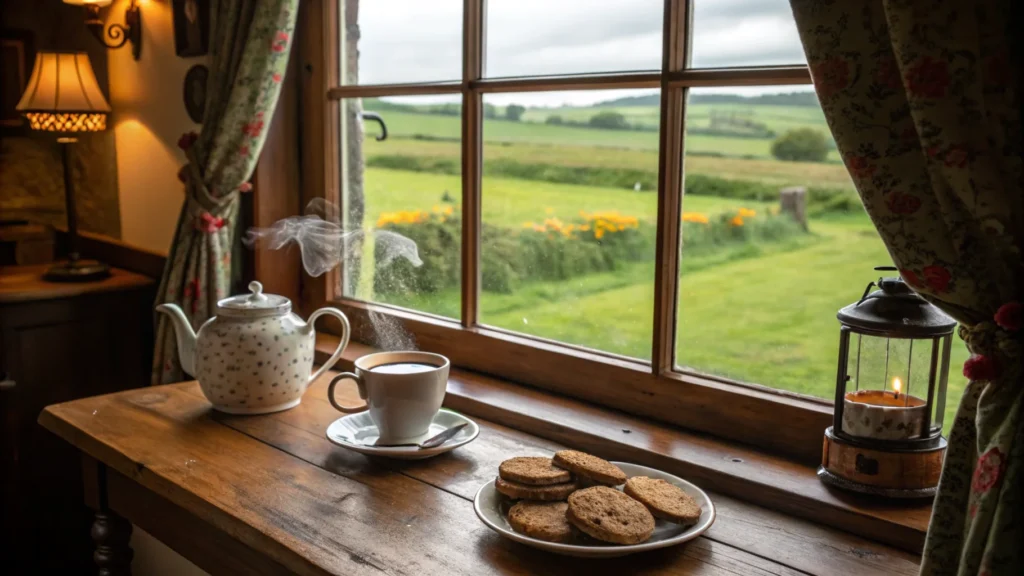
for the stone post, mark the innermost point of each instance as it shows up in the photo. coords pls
(793, 201)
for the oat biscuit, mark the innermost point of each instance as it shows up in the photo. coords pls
(533, 470)
(542, 520)
(589, 466)
(609, 515)
(664, 500)
(551, 492)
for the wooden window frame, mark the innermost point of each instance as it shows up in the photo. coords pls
(776, 420)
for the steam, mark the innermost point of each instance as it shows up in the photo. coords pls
(325, 244)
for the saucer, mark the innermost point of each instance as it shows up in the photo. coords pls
(358, 432)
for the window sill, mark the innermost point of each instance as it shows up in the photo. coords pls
(728, 467)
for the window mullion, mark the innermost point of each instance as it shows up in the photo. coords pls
(472, 156)
(675, 55)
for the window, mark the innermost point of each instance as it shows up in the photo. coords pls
(595, 190)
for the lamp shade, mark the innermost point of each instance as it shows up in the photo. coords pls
(63, 96)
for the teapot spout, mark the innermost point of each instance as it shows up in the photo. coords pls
(184, 335)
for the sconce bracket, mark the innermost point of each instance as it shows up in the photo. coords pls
(130, 32)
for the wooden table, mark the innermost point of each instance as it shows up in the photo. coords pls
(270, 495)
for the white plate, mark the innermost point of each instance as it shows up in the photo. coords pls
(488, 506)
(358, 432)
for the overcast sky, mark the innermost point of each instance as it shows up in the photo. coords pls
(420, 40)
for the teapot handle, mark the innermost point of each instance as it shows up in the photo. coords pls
(346, 331)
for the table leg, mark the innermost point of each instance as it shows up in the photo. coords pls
(113, 555)
(110, 532)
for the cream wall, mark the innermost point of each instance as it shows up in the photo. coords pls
(148, 118)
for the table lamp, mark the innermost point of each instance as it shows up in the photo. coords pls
(62, 96)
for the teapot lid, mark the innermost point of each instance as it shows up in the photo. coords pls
(254, 305)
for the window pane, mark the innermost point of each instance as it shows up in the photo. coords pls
(758, 294)
(400, 41)
(569, 205)
(744, 33)
(407, 187)
(541, 37)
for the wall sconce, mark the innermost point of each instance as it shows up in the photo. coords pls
(130, 32)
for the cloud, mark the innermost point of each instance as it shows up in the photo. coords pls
(419, 41)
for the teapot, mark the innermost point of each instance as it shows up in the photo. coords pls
(255, 355)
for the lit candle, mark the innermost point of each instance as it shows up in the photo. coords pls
(884, 415)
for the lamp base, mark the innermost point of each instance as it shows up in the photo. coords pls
(77, 271)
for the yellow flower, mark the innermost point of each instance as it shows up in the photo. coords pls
(584, 227)
(599, 233)
(448, 210)
(695, 217)
(747, 213)
(736, 221)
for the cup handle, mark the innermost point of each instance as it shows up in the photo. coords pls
(362, 393)
(346, 331)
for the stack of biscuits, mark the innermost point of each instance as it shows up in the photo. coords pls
(574, 492)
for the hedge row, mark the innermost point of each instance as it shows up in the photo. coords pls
(553, 249)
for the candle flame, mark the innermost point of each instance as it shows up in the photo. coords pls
(897, 385)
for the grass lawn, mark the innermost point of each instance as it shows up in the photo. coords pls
(766, 316)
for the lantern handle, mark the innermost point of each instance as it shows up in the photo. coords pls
(866, 292)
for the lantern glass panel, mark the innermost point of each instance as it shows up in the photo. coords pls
(876, 363)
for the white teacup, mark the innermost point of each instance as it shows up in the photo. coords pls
(403, 391)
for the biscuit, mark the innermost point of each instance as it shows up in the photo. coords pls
(551, 492)
(592, 467)
(532, 470)
(609, 515)
(542, 520)
(664, 500)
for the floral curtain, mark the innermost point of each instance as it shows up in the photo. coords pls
(249, 45)
(923, 99)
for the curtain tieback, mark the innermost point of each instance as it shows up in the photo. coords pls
(996, 345)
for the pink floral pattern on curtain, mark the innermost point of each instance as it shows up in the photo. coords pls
(250, 42)
(923, 99)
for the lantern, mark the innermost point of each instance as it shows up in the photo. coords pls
(886, 435)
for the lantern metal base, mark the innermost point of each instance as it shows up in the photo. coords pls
(842, 483)
(880, 469)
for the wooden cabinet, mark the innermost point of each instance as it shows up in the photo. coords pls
(59, 342)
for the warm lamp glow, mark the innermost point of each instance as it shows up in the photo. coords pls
(62, 94)
(99, 3)
(897, 385)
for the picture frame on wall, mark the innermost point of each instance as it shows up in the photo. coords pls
(191, 27)
(17, 55)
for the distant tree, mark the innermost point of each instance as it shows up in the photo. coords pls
(802, 144)
(609, 120)
(514, 112)
(554, 119)
(490, 111)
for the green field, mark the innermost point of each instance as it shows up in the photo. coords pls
(778, 118)
(762, 313)
(404, 125)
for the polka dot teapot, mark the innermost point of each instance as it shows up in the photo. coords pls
(255, 355)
